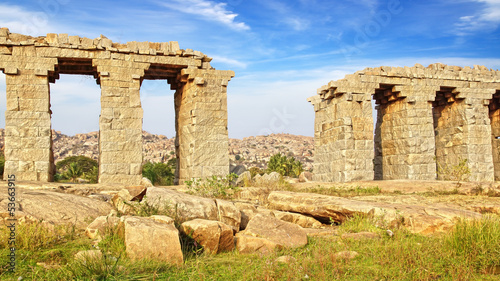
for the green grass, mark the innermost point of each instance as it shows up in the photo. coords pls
(345, 191)
(466, 253)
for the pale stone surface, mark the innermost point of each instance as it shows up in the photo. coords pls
(214, 236)
(97, 229)
(146, 238)
(264, 233)
(229, 214)
(181, 205)
(427, 118)
(54, 207)
(417, 217)
(30, 64)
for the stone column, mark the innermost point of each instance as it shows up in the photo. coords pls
(202, 144)
(404, 136)
(28, 136)
(463, 132)
(120, 123)
(344, 138)
(494, 108)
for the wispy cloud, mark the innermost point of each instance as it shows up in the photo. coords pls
(487, 19)
(209, 10)
(230, 62)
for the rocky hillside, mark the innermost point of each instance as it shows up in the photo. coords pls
(250, 151)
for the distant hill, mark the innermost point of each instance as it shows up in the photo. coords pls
(250, 151)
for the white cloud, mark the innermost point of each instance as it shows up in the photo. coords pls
(487, 19)
(20, 20)
(228, 61)
(208, 10)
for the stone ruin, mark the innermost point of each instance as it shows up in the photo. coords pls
(427, 119)
(31, 63)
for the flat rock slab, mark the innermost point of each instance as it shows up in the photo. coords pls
(264, 233)
(423, 219)
(55, 207)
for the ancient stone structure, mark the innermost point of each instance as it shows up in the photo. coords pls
(30, 63)
(429, 120)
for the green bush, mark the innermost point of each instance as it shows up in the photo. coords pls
(256, 171)
(2, 164)
(158, 173)
(285, 166)
(74, 167)
(214, 186)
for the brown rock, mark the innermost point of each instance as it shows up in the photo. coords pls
(214, 236)
(277, 233)
(229, 214)
(247, 211)
(147, 238)
(97, 229)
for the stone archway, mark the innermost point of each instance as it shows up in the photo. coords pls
(201, 107)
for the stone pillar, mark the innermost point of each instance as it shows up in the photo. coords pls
(120, 123)
(463, 132)
(494, 110)
(343, 138)
(404, 135)
(202, 144)
(28, 135)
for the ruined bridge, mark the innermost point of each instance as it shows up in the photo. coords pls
(427, 119)
(31, 63)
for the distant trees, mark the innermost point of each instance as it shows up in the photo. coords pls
(285, 166)
(159, 173)
(74, 167)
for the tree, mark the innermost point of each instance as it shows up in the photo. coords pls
(285, 166)
(74, 167)
(158, 173)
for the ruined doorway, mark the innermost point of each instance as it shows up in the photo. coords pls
(494, 114)
(449, 123)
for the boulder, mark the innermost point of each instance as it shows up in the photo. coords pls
(247, 211)
(229, 214)
(125, 200)
(239, 169)
(305, 177)
(422, 219)
(265, 233)
(214, 236)
(97, 229)
(244, 179)
(270, 179)
(55, 207)
(146, 182)
(146, 238)
(184, 207)
(298, 219)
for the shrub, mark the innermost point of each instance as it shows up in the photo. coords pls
(74, 167)
(158, 173)
(2, 164)
(256, 171)
(214, 186)
(285, 166)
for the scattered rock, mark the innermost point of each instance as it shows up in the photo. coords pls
(305, 177)
(346, 255)
(270, 179)
(97, 229)
(275, 232)
(214, 236)
(247, 211)
(147, 238)
(244, 178)
(55, 207)
(298, 219)
(239, 169)
(184, 207)
(285, 259)
(84, 256)
(145, 182)
(229, 214)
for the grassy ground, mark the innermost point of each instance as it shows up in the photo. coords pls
(470, 252)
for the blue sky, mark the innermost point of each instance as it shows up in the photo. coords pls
(281, 51)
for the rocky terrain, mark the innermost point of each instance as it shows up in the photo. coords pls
(250, 151)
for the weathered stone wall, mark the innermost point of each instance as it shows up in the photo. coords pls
(428, 118)
(30, 63)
